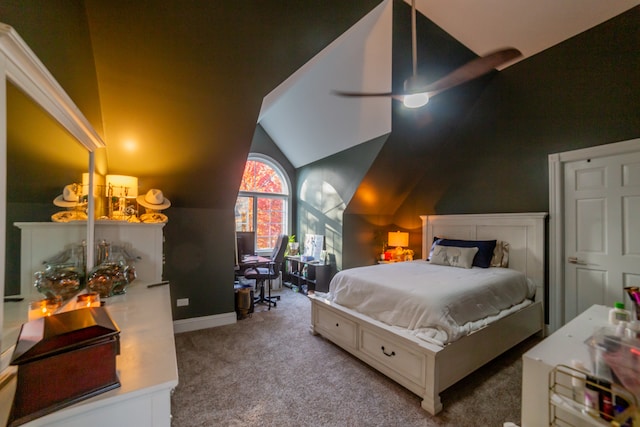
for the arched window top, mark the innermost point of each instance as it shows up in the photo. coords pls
(263, 176)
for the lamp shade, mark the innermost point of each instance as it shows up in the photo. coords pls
(98, 182)
(122, 186)
(398, 238)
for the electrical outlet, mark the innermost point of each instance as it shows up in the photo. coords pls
(182, 302)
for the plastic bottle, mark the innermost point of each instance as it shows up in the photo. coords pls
(578, 379)
(633, 329)
(592, 397)
(604, 379)
(618, 314)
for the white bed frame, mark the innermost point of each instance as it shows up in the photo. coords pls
(427, 369)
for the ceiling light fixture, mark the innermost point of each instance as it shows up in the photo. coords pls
(417, 91)
(416, 100)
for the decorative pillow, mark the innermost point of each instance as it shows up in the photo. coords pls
(500, 255)
(433, 246)
(453, 256)
(485, 249)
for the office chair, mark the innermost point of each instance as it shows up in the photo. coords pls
(270, 270)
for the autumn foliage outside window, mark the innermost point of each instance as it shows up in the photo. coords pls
(262, 204)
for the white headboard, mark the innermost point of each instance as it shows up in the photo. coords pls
(525, 233)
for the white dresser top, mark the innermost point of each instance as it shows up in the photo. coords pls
(147, 360)
(568, 342)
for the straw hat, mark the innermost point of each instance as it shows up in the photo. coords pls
(69, 198)
(154, 199)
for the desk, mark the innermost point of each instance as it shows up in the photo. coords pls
(251, 261)
(307, 276)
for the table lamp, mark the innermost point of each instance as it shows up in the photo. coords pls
(120, 188)
(399, 239)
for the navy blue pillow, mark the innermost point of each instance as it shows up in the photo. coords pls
(485, 249)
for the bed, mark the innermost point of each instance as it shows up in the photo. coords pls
(424, 359)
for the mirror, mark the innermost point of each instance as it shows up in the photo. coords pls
(41, 116)
(42, 157)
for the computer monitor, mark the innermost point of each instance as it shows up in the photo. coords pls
(245, 244)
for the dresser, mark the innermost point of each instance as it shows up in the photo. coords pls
(560, 348)
(146, 367)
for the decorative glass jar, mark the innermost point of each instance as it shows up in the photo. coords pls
(110, 278)
(58, 282)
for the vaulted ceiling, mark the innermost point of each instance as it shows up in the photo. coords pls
(178, 85)
(309, 123)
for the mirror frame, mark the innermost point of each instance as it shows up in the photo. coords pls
(20, 66)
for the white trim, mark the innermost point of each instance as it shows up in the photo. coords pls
(20, 66)
(3, 199)
(204, 322)
(556, 217)
(259, 157)
(26, 71)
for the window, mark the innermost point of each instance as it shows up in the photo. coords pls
(263, 201)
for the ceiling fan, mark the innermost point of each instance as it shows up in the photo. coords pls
(417, 92)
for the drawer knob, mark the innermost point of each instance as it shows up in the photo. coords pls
(337, 325)
(393, 353)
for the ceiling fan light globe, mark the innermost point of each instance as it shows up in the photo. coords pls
(416, 100)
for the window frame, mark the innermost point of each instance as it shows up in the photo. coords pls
(254, 195)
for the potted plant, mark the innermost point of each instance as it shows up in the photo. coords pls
(293, 248)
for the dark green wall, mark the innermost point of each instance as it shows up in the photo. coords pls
(187, 79)
(325, 187)
(193, 81)
(195, 252)
(190, 84)
(492, 157)
(58, 33)
(418, 141)
(263, 144)
(581, 93)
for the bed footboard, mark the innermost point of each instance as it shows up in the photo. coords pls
(421, 367)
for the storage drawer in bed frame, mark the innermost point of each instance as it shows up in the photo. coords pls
(337, 328)
(406, 363)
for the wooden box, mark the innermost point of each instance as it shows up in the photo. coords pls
(63, 359)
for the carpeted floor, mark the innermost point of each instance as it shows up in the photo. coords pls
(268, 370)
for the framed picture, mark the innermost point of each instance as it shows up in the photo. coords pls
(313, 245)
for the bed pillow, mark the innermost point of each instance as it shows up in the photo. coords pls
(485, 249)
(453, 256)
(500, 255)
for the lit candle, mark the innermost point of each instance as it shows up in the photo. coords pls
(52, 305)
(45, 307)
(90, 299)
(37, 309)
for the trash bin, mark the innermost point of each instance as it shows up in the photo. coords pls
(243, 301)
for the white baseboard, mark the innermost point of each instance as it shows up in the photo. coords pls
(196, 323)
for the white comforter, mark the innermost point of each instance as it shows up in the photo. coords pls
(437, 303)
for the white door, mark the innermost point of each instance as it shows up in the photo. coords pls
(602, 231)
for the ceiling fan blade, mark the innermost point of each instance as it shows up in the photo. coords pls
(472, 70)
(368, 94)
(360, 94)
(469, 71)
